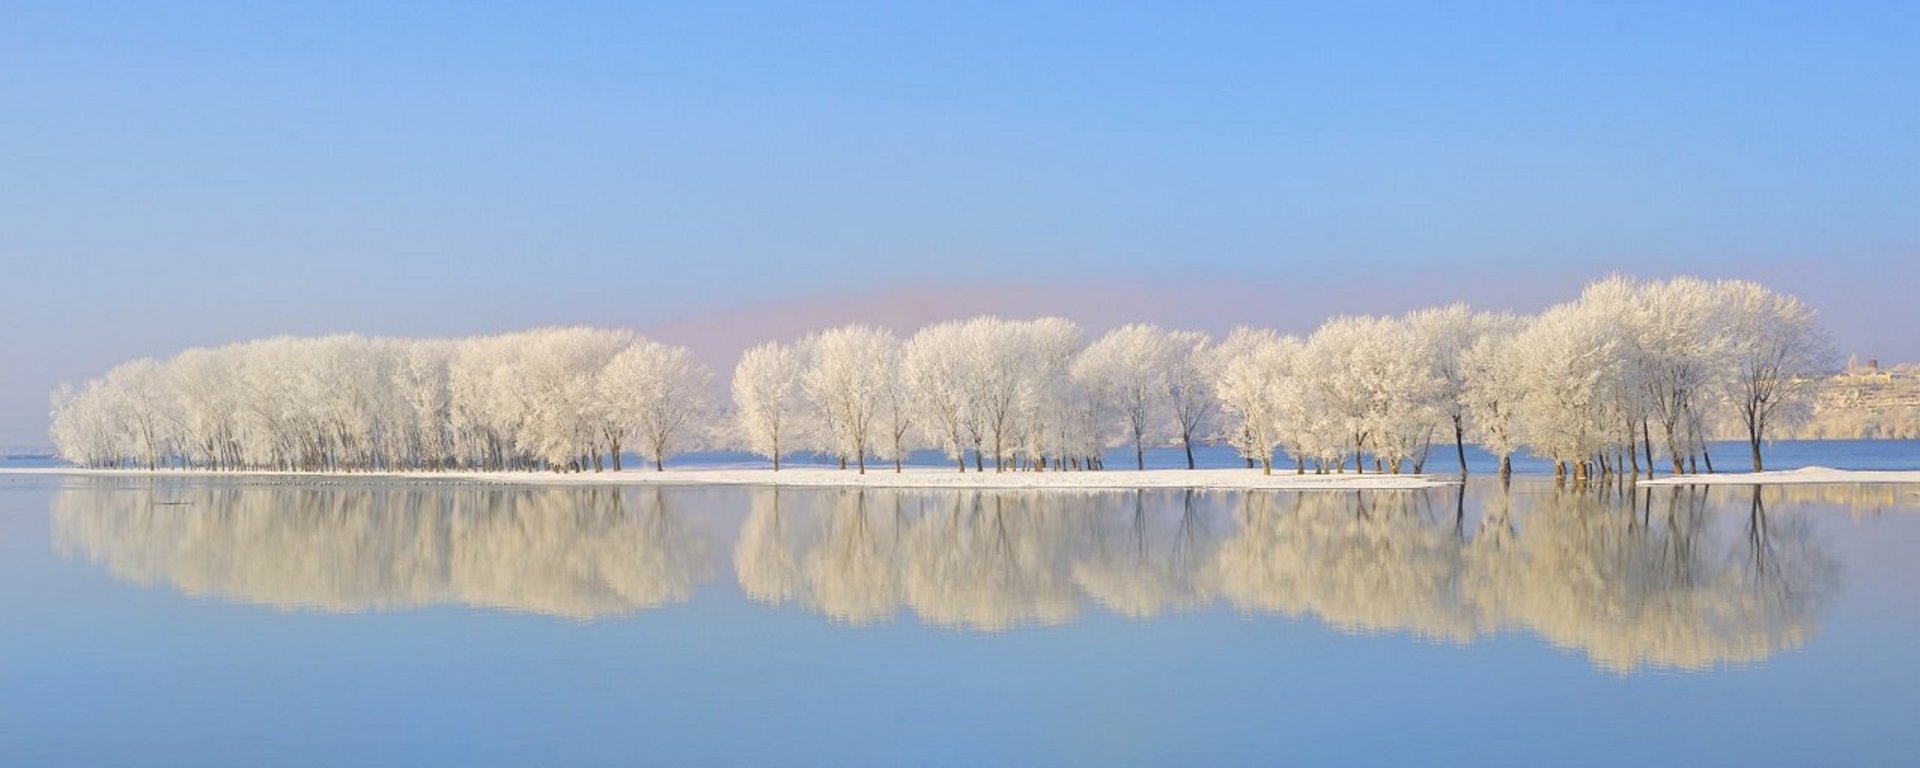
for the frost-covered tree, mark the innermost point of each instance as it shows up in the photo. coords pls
(660, 391)
(1491, 392)
(997, 354)
(1778, 354)
(849, 372)
(1253, 371)
(897, 434)
(934, 369)
(1129, 366)
(767, 398)
(1566, 361)
(1049, 421)
(1369, 373)
(1191, 365)
(1445, 337)
(1683, 344)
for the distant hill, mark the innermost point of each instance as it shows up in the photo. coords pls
(1866, 402)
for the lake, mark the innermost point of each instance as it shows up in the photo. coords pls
(252, 622)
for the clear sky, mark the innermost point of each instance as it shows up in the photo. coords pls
(181, 174)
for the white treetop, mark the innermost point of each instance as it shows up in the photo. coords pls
(767, 398)
(659, 391)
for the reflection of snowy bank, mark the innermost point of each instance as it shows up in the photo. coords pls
(573, 553)
(809, 477)
(1652, 579)
(1803, 476)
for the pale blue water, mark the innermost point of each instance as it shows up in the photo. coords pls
(246, 623)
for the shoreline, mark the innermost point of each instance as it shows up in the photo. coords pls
(814, 477)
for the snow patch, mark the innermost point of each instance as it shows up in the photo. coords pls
(1226, 479)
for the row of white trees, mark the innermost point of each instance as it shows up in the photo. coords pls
(558, 398)
(1596, 385)
(1021, 395)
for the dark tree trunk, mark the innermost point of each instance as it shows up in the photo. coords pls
(1189, 446)
(1460, 444)
(1646, 445)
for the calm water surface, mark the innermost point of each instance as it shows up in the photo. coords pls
(248, 622)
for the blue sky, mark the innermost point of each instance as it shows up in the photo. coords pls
(185, 174)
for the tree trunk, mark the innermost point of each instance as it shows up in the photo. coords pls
(1139, 455)
(1754, 441)
(1633, 451)
(1266, 466)
(1646, 445)
(1460, 444)
(1506, 467)
(1705, 456)
(1189, 446)
(659, 462)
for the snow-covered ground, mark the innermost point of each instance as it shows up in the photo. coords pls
(1802, 476)
(920, 477)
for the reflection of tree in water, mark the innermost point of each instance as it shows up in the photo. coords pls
(990, 562)
(854, 574)
(1657, 585)
(764, 556)
(970, 560)
(1139, 559)
(1630, 579)
(835, 552)
(1362, 562)
(578, 553)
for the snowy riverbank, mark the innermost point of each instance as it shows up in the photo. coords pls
(1803, 476)
(811, 477)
